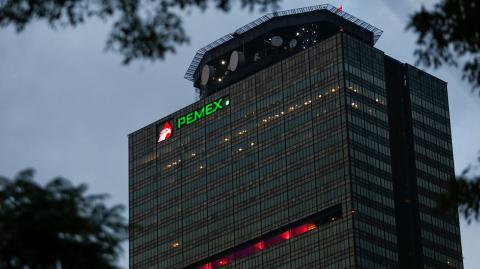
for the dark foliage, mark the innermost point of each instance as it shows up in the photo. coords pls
(464, 192)
(57, 226)
(145, 29)
(449, 34)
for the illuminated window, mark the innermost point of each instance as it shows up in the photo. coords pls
(262, 244)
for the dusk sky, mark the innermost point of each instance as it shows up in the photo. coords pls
(67, 106)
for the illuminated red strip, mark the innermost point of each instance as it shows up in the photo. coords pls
(259, 246)
(206, 266)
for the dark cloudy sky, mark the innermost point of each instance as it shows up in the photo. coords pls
(66, 106)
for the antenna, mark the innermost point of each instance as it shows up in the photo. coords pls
(276, 41)
(237, 58)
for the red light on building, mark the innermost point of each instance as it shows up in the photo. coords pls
(260, 246)
(206, 266)
(279, 238)
(223, 262)
(340, 8)
(300, 230)
(165, 132)
(285, 235)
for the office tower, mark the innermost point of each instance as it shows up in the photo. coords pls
(308, 148)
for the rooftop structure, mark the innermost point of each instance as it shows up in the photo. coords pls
(253, 42)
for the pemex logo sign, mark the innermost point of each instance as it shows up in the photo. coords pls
(165, 130)
(203, 112)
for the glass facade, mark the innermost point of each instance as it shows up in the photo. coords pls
(369, 147)
(297, 171)
(277, 154)
(440, 234)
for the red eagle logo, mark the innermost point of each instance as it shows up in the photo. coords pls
(165, 133)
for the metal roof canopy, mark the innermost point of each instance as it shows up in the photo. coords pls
(189, 75)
